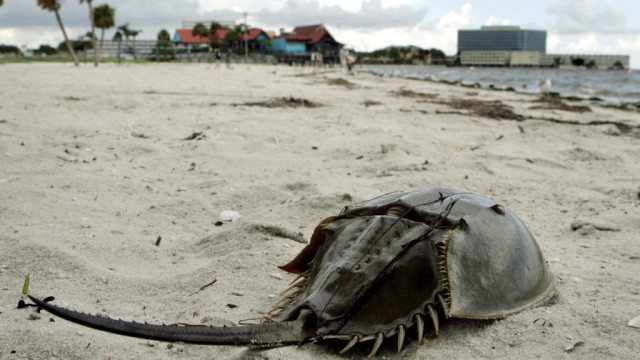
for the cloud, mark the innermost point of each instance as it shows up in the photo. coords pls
(371, 15)
(493, 21)
(585, 16)
(454, 20)
(443, 35)
(25, 14)
(595, 44)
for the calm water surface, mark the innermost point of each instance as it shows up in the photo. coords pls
(613, 86)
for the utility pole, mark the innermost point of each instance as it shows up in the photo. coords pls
(246, 39)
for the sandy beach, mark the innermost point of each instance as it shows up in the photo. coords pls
(112, 180)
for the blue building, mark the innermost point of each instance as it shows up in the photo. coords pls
(502, 38)
(289, 45)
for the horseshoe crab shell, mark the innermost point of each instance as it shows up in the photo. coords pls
(477, 255)
(383, 266)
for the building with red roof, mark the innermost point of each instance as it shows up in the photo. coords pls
(302, 44)
(257, 39)
(305, 40)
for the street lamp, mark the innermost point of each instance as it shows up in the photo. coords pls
(246, 39)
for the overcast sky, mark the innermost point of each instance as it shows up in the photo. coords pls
(573, 26)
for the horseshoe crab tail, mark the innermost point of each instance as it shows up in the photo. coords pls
(269, 333)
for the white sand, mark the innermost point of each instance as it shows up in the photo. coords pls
(94, 168)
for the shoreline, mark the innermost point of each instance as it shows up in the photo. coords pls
(626, 101)
(99, 163)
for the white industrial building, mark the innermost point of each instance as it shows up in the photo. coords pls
(512, 46)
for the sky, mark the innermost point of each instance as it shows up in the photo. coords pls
(573, 26)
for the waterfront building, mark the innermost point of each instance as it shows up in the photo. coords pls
(502, 38)
(311, 43)
(256, 39)
(597, 61)
(516, 47)
(299, 44)
(128, 49)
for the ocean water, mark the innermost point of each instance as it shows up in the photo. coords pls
(612, 86)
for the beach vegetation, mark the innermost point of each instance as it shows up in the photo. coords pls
(164, 47)
(54, 6)
(25, 285)
(104, 18)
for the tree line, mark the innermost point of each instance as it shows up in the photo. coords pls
(408, 55)
(101, 17)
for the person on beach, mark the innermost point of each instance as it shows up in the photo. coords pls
(342, 54)
(218, 57)
(227, 58)
(351, 60)
(346, 58)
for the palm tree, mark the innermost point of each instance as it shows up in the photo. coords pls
(213, 37)
(54, 6)
(163, 35)
(133, 34)
(126, 32)
(118, 37)
(198, 30)
(85, 44)
(164, 47)
(96, 55)
(104, 17)
(213, 31)
(234, 35)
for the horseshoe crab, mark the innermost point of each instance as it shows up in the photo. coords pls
(381, 267)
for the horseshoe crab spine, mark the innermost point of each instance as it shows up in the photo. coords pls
(290, 332)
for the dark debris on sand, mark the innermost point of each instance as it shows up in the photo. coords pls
(413, 94)
(554, 103)
(490, 109)
(284, 102)
(196, 135)
(341, 82)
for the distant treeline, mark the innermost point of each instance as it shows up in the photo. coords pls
(78, 45)
(9, 49)
(403, 55)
